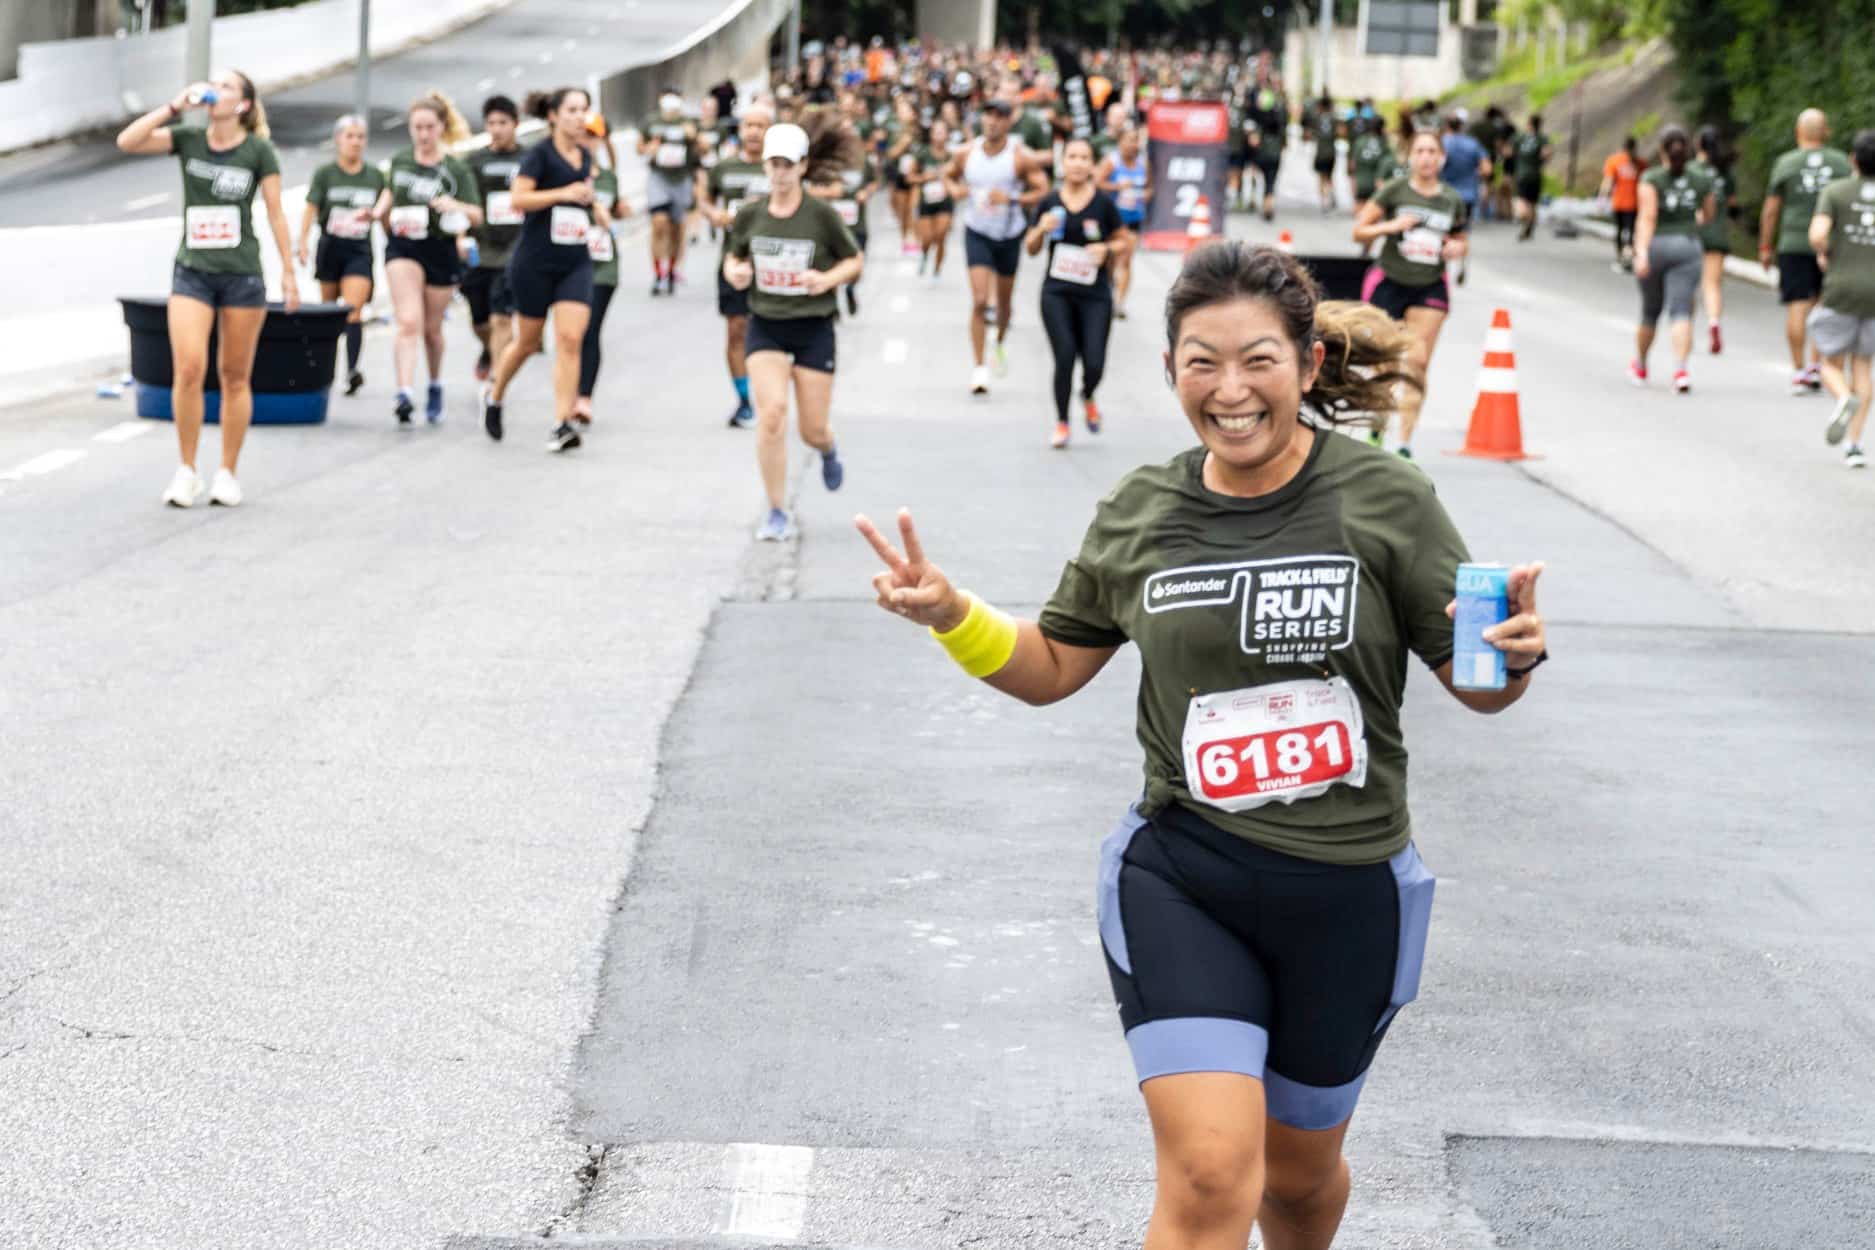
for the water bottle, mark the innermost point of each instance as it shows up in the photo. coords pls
(475, 255)
(203, 95)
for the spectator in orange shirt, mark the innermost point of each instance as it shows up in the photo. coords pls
(1621, 187)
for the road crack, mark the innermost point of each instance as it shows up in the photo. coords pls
(586, 1181)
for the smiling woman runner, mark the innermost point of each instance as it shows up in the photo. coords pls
(551, 269)
(217, 274)
(1078, 223)
(432, 198)
(340, 201)
(792, 252)
(1262, 907)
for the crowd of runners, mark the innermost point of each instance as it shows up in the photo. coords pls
(782, 189)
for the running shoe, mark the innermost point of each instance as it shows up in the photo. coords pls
(226, 492)
(433, 404)
(1682, 382)
(1120, 312)
(657, 284)
(404, 408)
(1813, 377)
(1001, 360)
(1799, 383)
(491, 414)
(185, 488)
(852, 301)
(354, 383)
(908, 247)
(482, 365)
(1093, 416)
(1405, 452)
(1854, 459)
(1839, 421)
(924, 263)
(1376, 438)
(742, 418)
(565, 437)
(1718, 341)
(979, 381)
(775, 527)
(1060, 440)
(1637, 373)
(832, 472)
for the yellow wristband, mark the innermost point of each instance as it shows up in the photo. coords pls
(982, 642)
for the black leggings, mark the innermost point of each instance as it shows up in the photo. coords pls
(589, 347)
(1624, 231)
(1077, 325)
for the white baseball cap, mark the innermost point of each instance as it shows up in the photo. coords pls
(787, 141)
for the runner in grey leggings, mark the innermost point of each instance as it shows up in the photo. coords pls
(1676, 200)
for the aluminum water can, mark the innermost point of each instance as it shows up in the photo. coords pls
(1483, 601)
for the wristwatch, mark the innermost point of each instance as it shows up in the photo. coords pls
(1526, 670)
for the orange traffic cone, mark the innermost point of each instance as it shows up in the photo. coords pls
(1200, 228)
(1286, 242)
(1496, 427)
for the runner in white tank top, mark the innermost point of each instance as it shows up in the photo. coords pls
(998, 180)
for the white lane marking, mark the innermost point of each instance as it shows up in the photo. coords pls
(145, 201)
(391, 123)
(896, 351)
(768, 1190)
(39, 466)
(484, 84)
(123, 432)
(901, 303)
(546, 58)
(515, 72)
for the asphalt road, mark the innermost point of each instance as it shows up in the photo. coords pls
(459, 845)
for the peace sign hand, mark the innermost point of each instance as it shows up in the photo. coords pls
(911, 586)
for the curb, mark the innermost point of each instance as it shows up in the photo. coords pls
(1736, 266)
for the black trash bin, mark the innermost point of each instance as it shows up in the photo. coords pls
(293, 364)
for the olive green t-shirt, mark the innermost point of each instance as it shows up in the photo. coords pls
(1526, 156)
(812, 237)
(1797, 178)
(1338, 574)
(218, 200)
(1849, 282)
(1680, 197)
(414, 185)
(1716, 233)
(674, 156)
(345, 200)
(1373, 161)
(1416, 258)
(501, 227)
(604, 246)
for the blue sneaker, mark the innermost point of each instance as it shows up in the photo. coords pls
(776, 527)
(832, 472)
(742, 418)
(433, 405)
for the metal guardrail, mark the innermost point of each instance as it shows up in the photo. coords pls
(720, 50)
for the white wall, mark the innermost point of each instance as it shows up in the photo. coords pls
(75, 85)
(1352, 73)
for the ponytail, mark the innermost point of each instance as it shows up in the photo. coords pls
(1365, 350)
(255, 118)
(544, 104)
(455, 128)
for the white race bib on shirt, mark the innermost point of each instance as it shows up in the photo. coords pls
(781, 265)
(500, 209)
(411, 221)
(567, 225)
(1129, 197)
(1423, 246)
(599, 245)
(1072, 263)
(1274, 744)
(213, 227)
(350, 223)
(848, 210)
(671, 156)
(934, 191)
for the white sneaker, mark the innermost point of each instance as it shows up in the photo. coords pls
(979, 381)
(225, 492)
(1839, 420)
(185, 488)
(1854, 459)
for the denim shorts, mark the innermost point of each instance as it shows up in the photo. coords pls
(219, 290)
